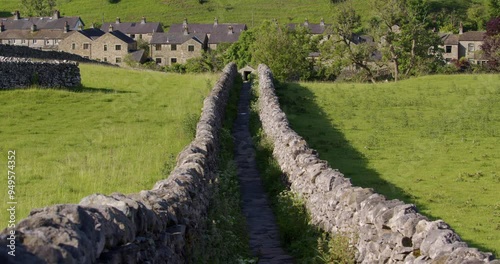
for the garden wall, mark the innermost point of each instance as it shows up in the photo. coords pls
(20, 72)
(383, 231)
(152, 226)
(27, 52)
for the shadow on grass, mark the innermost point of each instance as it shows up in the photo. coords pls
(312, 123)
(84, 89)
(5, 13)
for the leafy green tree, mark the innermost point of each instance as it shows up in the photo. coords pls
(494, 8)
(240, 52)
(285, 51)
(477, 16)
(491, 45)
(38, 7)
(343, 51)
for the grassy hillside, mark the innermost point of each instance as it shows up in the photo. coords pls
(174, 11)
(432, 141)
(121, 134)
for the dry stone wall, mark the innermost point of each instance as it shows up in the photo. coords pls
(383, 231)
(20, 72)
(27, 52)
(152, 226)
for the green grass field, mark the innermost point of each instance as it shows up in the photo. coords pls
(174, 11)
(433, 141)
(120, 134)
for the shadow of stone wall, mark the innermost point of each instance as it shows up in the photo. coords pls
(383, 231)
(152, 226)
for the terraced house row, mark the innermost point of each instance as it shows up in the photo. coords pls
(114, 42)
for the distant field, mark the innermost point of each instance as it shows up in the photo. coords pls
(433, 141)
(174, 11)
(121, 134)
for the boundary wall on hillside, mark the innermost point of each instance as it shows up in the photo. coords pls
(383, 231)
(27, 52)
(152, 226)
(20, 72)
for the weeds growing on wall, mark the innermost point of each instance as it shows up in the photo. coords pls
(225, 239)
(306, 243)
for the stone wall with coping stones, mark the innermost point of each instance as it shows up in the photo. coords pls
(152, 226)
(383, 231)
(27, 52)
(20, 72)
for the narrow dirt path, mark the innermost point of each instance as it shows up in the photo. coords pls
(261, 224)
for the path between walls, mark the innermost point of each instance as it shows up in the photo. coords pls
(261, 223)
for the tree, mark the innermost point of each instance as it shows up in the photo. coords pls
(477, 15)
(38, 7)
(285, 51)
(405, 34)
(491, 45)
(346, 48)
(494, 8)
(240, 51)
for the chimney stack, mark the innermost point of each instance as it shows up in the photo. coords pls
(17, 16)
(461, 28)
(33, 28)
(110, 29)
(216, 22)
(322, 22)
(185, 22)
(117, 20)
(2, 28)
(56, 15)
(92, 25)
(143, 21)
(186, 31)
(230, 30)
(66, 27)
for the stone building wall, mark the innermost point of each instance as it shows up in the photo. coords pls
(20, 72)
(26, 52)
(383, 231)
(152, 226)
(181, 54)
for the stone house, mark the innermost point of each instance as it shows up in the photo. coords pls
(217, 33)
(463, 45)
(314, 29)
(81, 42)
(44, 39)
(141, 30)
(170, 48)
(113, 47)
(56, 21)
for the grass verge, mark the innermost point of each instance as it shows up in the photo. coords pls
(225, 239)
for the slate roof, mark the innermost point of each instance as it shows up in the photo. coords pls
(224, 36)
(137, 55)
(207, 28)
(134, 27)
(472, 36)
(41, 23)
(92, 33)
(449, 39)
(39, 34)
(316, 29)
(176, 38)
(121, 36)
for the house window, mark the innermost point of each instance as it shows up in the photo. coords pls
(23, 41)
(173, 47)
(105, 47)
(471, 47)
(158, 47)
(132, 36)
(158, 60)
(105, 59)
(191, 48)
(73, 46)
(118, 47)
(86, 57)
(118, 60)
(173, 60)
(140, 36)
(86, 46)
(34, 41)
(448, 49)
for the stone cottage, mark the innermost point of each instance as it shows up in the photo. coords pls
(170, 48)
(113, 46)
(81, 42)
(136, 30)
(217, 33)
(464, 45)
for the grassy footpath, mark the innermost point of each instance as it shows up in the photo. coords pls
(121, 133)
(174, 11)
(433, 141)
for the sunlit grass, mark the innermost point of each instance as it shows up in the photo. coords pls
(121, 133)
(433, 141)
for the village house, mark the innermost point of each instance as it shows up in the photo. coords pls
(141, 30)
(113, 47)
(37, 32)
(217, 33)
(170, 48)
(464, 45)
(81, 42)
(314, 29)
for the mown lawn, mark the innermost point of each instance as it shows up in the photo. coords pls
(433, 141)
(174, 11)
(120, 134)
